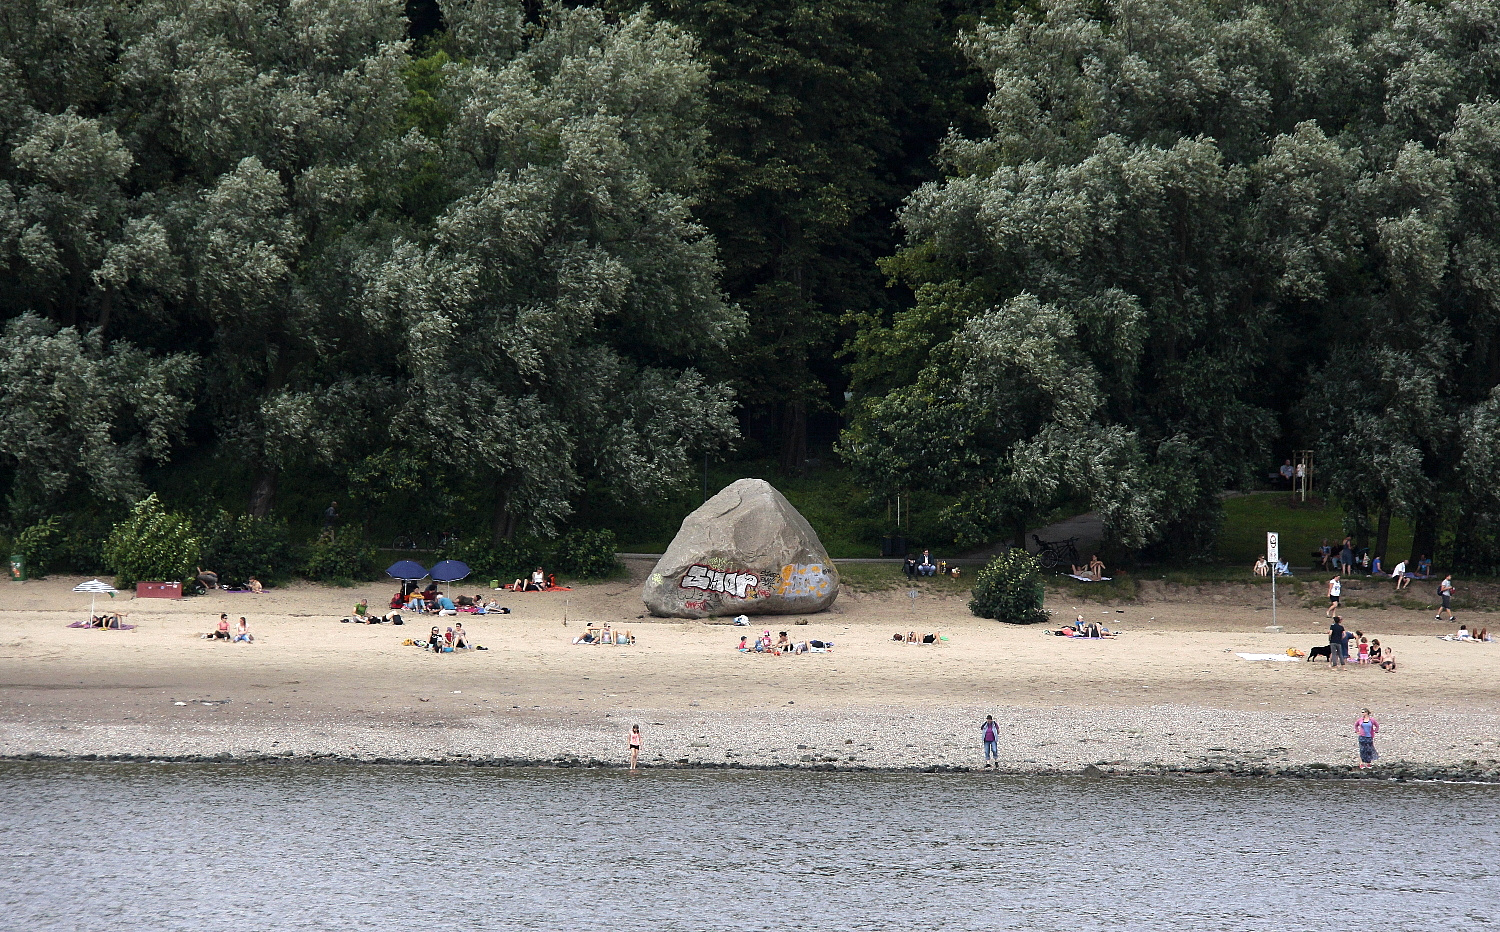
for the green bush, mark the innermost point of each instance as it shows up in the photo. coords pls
(152, 544)
(238, 547)
(1010, 589)
(343, 555)
(41, 544)
(586, 554)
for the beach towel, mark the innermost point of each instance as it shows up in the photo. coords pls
(1264, 657)
(511, 588)
(86, 624)
(1089, 578)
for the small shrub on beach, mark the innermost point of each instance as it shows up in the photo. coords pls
(152, 544)
(586, 554)
(344, 555)
(1010, 589)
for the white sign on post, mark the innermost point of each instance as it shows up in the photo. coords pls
(1273, 548)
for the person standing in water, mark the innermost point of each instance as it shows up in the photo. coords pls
(1366, 728)
(635, 745)
(990, 731)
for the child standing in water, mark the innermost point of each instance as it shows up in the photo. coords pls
(1366, 728)
(635, 745)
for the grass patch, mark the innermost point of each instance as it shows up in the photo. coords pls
(883, 577)
(1302, 527)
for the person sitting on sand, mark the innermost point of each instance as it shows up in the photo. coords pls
(744, 647)
(589, 636)
(461, 637)
(361, 612)
(445, 605)
(242, 631)
(783, 642)
(254, 585)
(221, 633)
(1387, 660)
(398, 600)
(1375, 650)
(435, 640)
(1262, 568)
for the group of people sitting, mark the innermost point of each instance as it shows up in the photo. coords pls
(446, 642)
(1084, 629)
(1094, 569)
(1263, 568)
(538, 581)
(431, 601)
(782, 645)
(913, 567)
(1464, 634)
(222, 632)
(910, 637)
(210, 580)
(604, 635)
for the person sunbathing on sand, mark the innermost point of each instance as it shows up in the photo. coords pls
(588, 636)
(254, 585)
(931, 638)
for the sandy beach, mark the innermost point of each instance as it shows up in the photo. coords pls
(1170, 694)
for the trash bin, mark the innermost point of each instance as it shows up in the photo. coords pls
(17, 567)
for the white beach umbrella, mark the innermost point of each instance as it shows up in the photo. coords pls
(93, 587)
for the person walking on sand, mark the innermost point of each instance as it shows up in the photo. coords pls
(1367, 728)
(635, 745)
(1445, 591)
(991, 734)
(1335, 590)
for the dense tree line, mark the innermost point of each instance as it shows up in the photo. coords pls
(1193, 234)
(491, 252)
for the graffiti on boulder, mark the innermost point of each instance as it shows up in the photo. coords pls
(804, 580)
(708, 579)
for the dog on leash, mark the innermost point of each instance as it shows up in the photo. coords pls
(1319, 651)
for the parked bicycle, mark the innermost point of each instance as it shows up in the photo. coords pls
(1052, 554)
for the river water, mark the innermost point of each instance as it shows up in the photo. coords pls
(177, 847)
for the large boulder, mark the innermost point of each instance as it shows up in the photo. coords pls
(746, 551)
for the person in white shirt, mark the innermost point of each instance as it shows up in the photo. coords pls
(1399, 575)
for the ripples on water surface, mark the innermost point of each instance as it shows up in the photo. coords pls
(140, 847)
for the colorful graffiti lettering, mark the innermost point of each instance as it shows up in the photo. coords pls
(804, 580)
(702, 577)
(698, 604)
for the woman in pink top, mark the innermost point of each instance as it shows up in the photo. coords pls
(635, 745)
(1366, 728)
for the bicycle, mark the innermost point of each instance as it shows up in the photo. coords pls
(1052, 554)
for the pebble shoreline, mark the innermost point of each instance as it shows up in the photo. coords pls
(1156, 740)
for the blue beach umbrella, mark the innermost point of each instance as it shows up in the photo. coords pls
(406, 570)
(450, 571)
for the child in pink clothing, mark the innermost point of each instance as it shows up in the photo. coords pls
(1364, 651)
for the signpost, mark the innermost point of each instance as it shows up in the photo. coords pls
(1273, 556)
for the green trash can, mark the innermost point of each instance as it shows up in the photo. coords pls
(17, 568)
